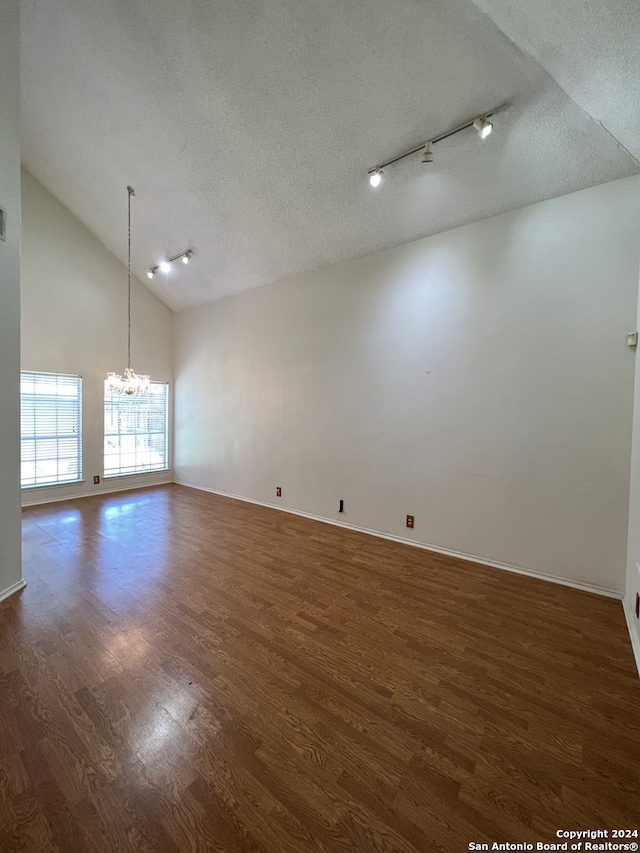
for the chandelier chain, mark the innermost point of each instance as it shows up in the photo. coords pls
(129, 383)
(131, 192)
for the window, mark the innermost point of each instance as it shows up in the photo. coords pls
(50, 428)
(135, 431)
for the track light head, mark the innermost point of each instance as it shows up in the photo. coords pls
(483, 127)
(375, 177)
(165, 266)
(150, 274)
(186, 257)
(427, 154)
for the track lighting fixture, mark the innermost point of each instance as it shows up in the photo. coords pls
(480, 123)
(165, 266)
(375, 177)
(483, 127)
(427, 154)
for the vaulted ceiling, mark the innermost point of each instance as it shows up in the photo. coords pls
(247, 129)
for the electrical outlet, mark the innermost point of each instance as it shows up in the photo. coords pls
(410, 521)
(278, 491)
(96, 479)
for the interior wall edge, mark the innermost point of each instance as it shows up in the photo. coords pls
(10, 247)
(635, 642)
(471, 558)
(11, 590)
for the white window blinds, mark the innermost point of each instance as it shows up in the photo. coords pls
(51, 428)
(135, 431)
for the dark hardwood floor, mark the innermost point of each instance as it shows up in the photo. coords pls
(186, 672)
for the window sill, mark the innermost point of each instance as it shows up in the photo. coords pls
(136, 474)
(52, 485)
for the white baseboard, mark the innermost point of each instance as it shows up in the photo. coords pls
(460, 555)
(127, 488)
(633, 634)
(11, 589)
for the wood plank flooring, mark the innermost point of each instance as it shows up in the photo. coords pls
(185, 672)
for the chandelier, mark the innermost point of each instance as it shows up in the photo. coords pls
(129, 382)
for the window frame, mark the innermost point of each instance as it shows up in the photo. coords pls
(108, 471)
(42, 377)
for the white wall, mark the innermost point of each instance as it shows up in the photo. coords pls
(478, 379)
(10, 552)
(74, 320)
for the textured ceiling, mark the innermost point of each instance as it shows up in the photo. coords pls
(590, 47)
(248, 128)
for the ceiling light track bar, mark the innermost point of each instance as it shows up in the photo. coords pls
(440, 137)
(184, 256)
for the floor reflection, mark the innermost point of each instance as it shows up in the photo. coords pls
(102, 541)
